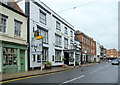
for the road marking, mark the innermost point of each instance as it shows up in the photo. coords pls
(72, 80)
(33, 76)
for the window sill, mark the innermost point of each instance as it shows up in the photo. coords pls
(58, 46)
(58, 61)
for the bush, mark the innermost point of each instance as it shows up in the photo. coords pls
(76, 63)
(48, 65)
(64, 59)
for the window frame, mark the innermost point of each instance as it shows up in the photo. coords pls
(17, 29)
(58, 25)
(65, 43)
(4, 17)
(41, 17)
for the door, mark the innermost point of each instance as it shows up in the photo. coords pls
(66, 55)
(22, 60)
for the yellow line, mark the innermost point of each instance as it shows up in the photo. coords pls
(32, 76)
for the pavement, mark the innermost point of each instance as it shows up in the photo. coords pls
(10, 76)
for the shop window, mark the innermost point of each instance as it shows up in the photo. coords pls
(33, 57)
(57, 55)
(38, 58)
(45, 54)
(9, 56)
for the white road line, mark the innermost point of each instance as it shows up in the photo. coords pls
(72, 79)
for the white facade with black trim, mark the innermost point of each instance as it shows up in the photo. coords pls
(58, 34)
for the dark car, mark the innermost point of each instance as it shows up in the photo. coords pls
(115, 62)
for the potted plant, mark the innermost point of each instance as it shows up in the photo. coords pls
(48, 65)
(64, 59)
(63, 62)
(76, 63)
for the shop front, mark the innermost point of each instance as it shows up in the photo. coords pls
(72, 56)
(14, 57)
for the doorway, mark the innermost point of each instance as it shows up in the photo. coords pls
(22, 60)
(66, 55)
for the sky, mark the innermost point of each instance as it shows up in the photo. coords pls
(96, 18)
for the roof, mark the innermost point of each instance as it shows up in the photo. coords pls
(15, 6)
(12, 5)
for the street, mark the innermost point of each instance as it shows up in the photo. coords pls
(98, 73)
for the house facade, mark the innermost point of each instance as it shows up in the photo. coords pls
(97, 57)
(13, 38)
(58, 34)
(112, 54)
(88, 47)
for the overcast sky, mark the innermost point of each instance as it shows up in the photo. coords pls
(96, 18)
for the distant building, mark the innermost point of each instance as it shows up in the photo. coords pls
(111, 54)
(13, 38)
(98, 51)
(88, 47)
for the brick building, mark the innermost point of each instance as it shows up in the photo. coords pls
(111, 53)
(88, 46)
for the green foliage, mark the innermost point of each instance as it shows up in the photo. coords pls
(76, 63)
(48, 64)
(64, 59)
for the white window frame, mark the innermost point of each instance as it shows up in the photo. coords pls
(18, 29)
(58, 26)
(4, 24)
(42, 17)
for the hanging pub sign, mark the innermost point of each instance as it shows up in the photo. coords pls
(36, 34)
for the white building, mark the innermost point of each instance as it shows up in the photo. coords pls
(98, 51)
(58, 34)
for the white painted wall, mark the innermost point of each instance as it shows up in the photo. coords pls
(97, 51)
(51, 27)
(0, 59)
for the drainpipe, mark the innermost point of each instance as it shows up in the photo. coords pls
(74, 59)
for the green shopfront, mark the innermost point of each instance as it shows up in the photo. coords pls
(14, 57)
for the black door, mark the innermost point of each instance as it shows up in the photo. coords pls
(66, 55)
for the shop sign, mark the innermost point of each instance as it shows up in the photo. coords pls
(36, 44)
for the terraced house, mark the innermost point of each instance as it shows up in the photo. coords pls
(13, 38)
(88, 47)
(58, 34)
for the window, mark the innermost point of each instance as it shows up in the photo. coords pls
(9, 56)
(82, 39)
(45, 54)
(58, 25)
(66, 30)
(3, 26)
(71, 44)
(57, 55)
(33, 57)
(42, 17)
(58, 40)
(65, 43)
(17, 28)
(44, 34)
(38, 58)
(71, 33)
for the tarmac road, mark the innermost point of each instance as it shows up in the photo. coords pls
(97, 73)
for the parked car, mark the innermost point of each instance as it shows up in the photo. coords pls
(115, 62)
